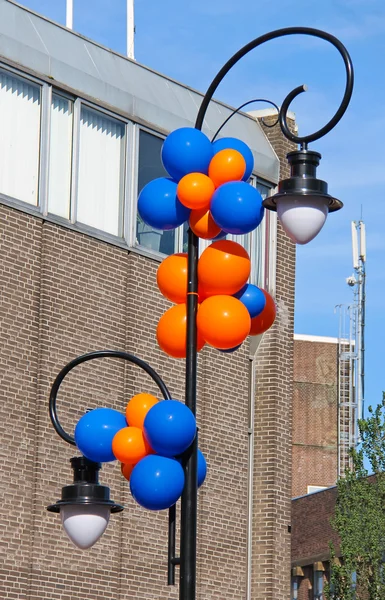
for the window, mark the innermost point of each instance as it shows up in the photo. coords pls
(150, 167)
(318, 584)
(294, 588)
(70, 159)
(101, 166)
(60, 156)
(20, 108)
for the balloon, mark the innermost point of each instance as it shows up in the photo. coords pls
(203, 224)
(230, 350)
(138, 407)
(170, 427)
(129, 445)
(157, 482)
(266, 318)
(227, 165)
(95, 431)
(186, 150)
(172, 278)
(253, 298)
(159, 206)
(237, 207)
(195, 191)
(223, 321)
(235, 144)
(223, 268)
(126, 470)
(171, 332)
(202, 468)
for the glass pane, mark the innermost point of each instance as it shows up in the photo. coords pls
(263, 189)
(101, 171)
(59, 184)
(150, 167)
(19, 137)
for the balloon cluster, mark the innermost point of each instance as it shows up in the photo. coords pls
(148, 441)
(229, 308)
(208, 188)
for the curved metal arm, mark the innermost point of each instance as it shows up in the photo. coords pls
(90, 356)
(286, 103)
(240, 108)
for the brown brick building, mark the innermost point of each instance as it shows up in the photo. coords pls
(81, 132)
(311, 535)
(315, 413)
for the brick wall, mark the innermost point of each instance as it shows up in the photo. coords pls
(63, 294)
(315, 421)
(310, 536)
(272, 461)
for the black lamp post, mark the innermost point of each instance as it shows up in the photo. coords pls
(301, 190)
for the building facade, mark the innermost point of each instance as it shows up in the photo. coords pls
(81, 130)
(315, 413)
(311, 535)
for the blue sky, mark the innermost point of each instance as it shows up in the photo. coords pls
(191, 40)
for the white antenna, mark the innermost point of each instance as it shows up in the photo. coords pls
(69, 14)
(130, 29)
(355, 245)
(362, 242)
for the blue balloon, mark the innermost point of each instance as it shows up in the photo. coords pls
(169, 428)
(159, 206)
(230, 350)
(235, 144)
(157, 482)
(95, 431)
(202, 468)
(237, 207)
(253, 298)
(221, 236)
(186, 150)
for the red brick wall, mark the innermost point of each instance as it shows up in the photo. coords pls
(314, 415)
(311, 534)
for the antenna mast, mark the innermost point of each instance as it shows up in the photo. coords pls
(130, 29)
(351, 354)
(69, 14)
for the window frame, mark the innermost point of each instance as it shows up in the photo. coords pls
(129, 180)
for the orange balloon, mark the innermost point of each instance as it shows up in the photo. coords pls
(172, 277)
(171, 332)
(138, 407)
(126, 470)
(203, 224)
(227, 165)
(195, 191)
(223, 268)
(129, 445)
(223, 321)
(266, 318)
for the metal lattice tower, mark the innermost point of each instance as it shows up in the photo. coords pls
(351, 353)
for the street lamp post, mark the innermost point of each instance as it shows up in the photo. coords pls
(302, 204)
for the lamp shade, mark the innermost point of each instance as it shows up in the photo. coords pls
(302, 217)
(85, 506)
(302, 202)
(85, 523)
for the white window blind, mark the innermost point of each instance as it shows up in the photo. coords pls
(101, 170)
(19, 137)
(59, 183)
